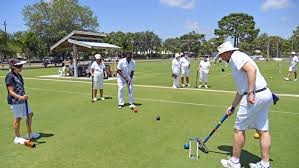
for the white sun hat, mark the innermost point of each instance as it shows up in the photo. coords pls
(177, 55)
(98, 56)
(293, 53)
(227, 46)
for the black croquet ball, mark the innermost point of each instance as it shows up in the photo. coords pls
(158, 118)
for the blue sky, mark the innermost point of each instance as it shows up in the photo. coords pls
(172, 18)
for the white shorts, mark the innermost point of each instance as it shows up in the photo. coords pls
(254, 116)
(203, 76)
(98, 82)
(19, 110)
(185, 73)
(292, 69)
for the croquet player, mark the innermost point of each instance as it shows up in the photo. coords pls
(16, 99)
(125, 69)
(176, 70)
(254, 100)
(293, 66)
(185, 69)
(98, 73)
(204, 69)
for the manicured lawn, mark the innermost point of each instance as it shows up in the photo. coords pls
(78, 133)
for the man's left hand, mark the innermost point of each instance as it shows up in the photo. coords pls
(251, 98)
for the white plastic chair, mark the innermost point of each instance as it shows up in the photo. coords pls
(61, 71)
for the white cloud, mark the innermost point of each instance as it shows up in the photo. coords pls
(195, 26)
(185, 4)
(275, 4)
(284, 19)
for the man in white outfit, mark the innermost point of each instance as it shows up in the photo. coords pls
(98, 73)
(293, 66)
(254, 100)
(176, 70)
(125, 69)
(204, 69)
(185, 67)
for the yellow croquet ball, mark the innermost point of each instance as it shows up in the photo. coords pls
(256, 136)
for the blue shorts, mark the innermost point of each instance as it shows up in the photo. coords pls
(19, 110)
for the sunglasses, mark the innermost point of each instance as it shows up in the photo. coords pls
(19, 66)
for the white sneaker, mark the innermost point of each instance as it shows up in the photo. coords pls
(132, 106)
(183, 85)
(295, 79)
(199, 86)
(257, 165)
(33, 135)
(229, 164)
(94, 99)
(188, 85)
(19, 140)
(102, 98)
(119, 106)
(287, 79)
(206, 86)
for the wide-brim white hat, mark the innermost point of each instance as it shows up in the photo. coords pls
(177, 55)
(293, 53)
(227, 46)
(98, 56)
(17, 62)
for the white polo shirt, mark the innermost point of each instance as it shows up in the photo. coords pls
(176, 66)
(125, 67)
(185, 62)
(98, 68)
(294, 61)
(204, 66)
(237, 61)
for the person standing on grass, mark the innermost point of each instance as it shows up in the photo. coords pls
(254, 100)
(204, 69)
(98, 73)
(176, 70)
(185, 69)
(16, 98)
(293, 66)
(125, 70)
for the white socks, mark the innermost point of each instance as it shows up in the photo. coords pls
(235, 160)
(265, 163)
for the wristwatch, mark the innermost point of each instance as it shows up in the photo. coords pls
(249, 93)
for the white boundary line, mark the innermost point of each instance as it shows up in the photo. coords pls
(157, 100)
(151, 86)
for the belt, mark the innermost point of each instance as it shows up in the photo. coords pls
(259, 90)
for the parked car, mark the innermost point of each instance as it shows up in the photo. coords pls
(257, 58)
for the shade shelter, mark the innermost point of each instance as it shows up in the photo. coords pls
(82, 41)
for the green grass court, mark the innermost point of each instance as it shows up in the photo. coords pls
(81, 134)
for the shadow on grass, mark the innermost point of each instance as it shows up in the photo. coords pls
(42, 135)
(136, 104)
(246, 157)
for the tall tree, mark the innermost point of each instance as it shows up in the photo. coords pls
(192, 41)
(295, 40)
(52, 20)
(239, 26)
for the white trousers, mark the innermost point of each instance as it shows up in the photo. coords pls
(176, 81)
(121, 98)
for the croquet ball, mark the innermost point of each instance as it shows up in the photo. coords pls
(158, 118)
(135, 110)
(256, 136)
(186, 146)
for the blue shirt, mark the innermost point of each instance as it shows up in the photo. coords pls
(16, 81)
